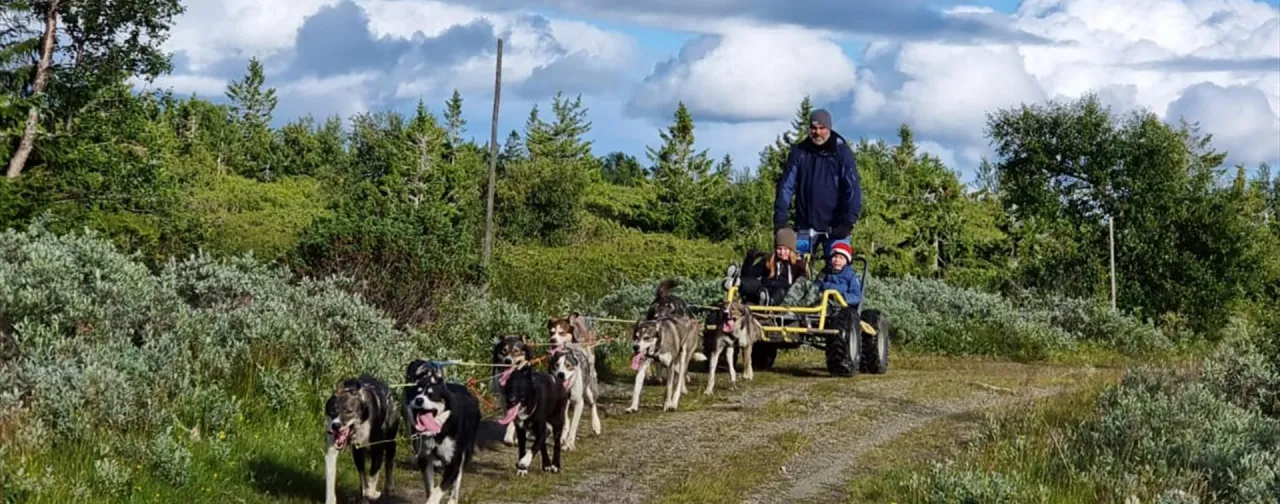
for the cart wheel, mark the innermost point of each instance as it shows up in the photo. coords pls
(843, 350)
(875, 347)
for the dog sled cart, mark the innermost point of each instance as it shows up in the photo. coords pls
(854, 340)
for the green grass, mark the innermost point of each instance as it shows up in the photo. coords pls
(732, 478)
(1026, 447)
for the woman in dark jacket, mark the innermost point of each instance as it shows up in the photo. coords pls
(767, 283)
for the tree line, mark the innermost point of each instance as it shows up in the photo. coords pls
(395, 200)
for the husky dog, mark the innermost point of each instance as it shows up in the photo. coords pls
(361, 412)
(535, 400)
(572, 328)
(738, 328)
(571, 364)
(511, 353)
(666, 304)
(421, 369)
(672, 341)
(443, 420)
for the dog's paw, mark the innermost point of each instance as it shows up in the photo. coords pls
(631, 410)
(522, 472)
(551, 468)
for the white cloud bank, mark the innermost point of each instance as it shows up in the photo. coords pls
(1212, 61)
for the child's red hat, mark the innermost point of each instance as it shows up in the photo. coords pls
(843, 249)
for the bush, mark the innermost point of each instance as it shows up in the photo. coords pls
(244, 215)
(550, 278)
(94, 344)
(931, 316)
(1159, 435)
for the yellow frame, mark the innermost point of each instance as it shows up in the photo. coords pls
(821, 310)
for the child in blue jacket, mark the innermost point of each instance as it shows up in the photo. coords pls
(839, 275)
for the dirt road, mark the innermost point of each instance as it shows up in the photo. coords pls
(792, 435)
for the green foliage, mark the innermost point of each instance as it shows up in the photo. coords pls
(1068, 168)
(931, 316)
(455, 124)
(251, 108)
(100, 351)
(545, 278)
(265, 218)
(1159, 436)
(622, 169)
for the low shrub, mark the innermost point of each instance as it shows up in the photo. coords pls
(95, 345)
(546, 278)
(932, 316)
(1160, 435)
(243, 215)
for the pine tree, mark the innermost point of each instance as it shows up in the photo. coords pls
(251, 106)
(249, 101)
(800, 125)
(680, 172)
(569, 128)
(512, 149)
(455, 124)
(538, 140)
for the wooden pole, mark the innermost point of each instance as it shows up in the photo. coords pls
(1111, 226)
(493, 161)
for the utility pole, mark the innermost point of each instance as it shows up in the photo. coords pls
(1111, 226)
(493, 162)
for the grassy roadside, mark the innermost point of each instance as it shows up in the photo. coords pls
(1201, 430)
(891, 472)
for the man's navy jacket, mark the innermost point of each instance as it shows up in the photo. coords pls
(824, 181)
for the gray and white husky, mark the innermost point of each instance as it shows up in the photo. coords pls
(672, 342)
(737, 328)
(572, 365)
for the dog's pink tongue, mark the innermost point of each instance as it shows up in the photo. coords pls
(635, 361)
(511, 415)
(427, 423)
(727, 326)
(506, 375)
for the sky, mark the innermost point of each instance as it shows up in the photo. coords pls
(743, 66)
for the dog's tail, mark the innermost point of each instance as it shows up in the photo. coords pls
(666, 286)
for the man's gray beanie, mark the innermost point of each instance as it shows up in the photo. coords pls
(821, 116)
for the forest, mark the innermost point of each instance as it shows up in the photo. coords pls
(154, 234)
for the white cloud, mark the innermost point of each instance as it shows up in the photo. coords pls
(211, 29)
(748, 73)
(1138, 53)
(1237, 116)
(414, 49)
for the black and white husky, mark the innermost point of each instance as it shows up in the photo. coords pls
(737, 328)
(535, 400)
(362, 413)
(573, 366)
(443, 420)
(509, 354)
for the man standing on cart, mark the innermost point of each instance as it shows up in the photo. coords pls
(821, 176)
